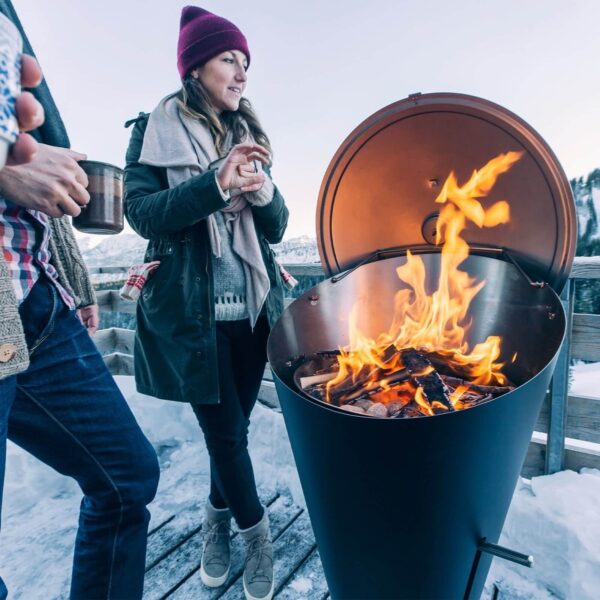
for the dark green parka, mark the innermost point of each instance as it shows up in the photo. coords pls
(175, 346)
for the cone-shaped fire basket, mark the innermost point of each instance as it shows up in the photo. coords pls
(400, 507)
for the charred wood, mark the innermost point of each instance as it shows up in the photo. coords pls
(470, 400)
(410, 411)
(427, 378)
(495, 390)
(394, 379)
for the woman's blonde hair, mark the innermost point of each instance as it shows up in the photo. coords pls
(195, 102)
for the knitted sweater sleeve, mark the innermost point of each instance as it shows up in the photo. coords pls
(264, 195)
(68, 262)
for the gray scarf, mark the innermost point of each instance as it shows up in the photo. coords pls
(185, 147)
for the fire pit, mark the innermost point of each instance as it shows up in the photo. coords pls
(409, 456)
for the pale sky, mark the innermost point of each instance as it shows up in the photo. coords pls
(319, 69)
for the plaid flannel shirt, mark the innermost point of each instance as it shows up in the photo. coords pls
(24, 238)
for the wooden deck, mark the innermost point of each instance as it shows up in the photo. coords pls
(175, 549)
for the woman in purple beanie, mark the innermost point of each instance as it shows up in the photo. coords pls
(198, 187)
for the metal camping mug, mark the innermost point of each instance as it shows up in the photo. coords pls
(11, 48)
(104, 212)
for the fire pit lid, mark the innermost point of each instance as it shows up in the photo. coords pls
(380, 187)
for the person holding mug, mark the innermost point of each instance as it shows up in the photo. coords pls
(58, 401)
(198, 188)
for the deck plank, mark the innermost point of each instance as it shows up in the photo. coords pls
(281, 513)
(172, 534)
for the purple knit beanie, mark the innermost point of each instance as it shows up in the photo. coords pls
(203, 35)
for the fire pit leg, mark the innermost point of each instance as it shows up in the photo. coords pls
(525, 560)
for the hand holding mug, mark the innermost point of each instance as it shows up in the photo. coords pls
(52, 182)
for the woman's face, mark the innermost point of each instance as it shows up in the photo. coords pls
(224, 78)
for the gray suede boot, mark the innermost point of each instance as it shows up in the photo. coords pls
(258, 571)
(216, 558)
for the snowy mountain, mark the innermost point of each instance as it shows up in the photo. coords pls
(299, 250)
(128, 249)
(122, 250)
(587, 201)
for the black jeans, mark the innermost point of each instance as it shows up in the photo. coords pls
(242, 355)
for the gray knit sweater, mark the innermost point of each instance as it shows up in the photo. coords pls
(228, 272)
(72, 275)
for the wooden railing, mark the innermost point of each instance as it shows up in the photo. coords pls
(567, 434)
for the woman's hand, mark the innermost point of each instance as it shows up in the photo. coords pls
(238, 170)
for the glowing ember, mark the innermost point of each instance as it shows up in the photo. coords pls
(436, 323)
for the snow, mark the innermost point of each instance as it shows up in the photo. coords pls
(302, 585)
(41, 507)
(586, 380)
(554, 518)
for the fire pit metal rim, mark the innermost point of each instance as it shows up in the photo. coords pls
(558, 197)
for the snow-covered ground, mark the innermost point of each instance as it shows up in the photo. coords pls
(555, 518)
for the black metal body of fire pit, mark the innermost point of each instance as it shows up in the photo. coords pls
(400, 506)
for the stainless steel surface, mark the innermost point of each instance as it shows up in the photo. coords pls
(381, 184)
(529, 319)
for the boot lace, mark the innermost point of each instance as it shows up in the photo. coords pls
(216, 530)
(256, 547)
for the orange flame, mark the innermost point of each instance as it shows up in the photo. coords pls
(438, 321)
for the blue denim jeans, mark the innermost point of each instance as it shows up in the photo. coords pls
(68, 412)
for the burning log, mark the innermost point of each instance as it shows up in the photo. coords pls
(423, 383)
(349, 388)
(348, 391)
(311, 380)
(494, 390)
(389, 353)
(428, 379)
(470, 400)
(316, 391)
(410, 411)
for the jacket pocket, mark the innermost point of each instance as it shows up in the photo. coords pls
(164, 275)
